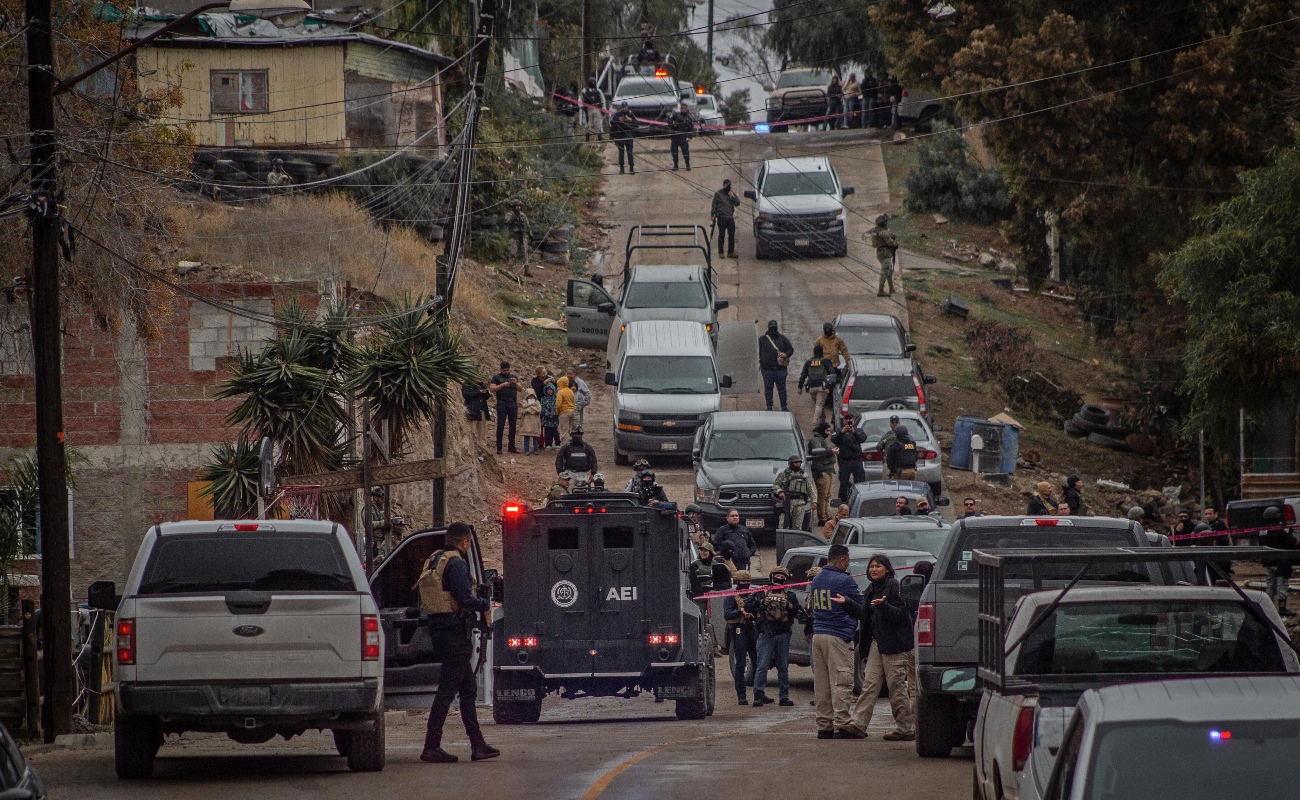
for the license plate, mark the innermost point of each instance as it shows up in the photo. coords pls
(245, 696)
(668, 445)
(802, 242)
(753, 523)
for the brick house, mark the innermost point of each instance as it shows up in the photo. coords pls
(139, 416)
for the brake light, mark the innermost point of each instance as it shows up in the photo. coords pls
(925, 625)
(920, 395)
(848, 392)
(928, 454)
(875, 456)
(370, 638)
(1023, 742)
(521, 641)
(515, 509)
(125, 641)
(245, 526)
(663, 638)
(904, 93)
(1047, 523)
(671, 638)
(656, 638)
(1288, 514)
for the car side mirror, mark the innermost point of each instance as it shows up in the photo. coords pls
(611, 379)
(930, 379)
(718, 305)
(836, 502)
(606, 308)
(846, 191)
(695, 455)
(942, 501)
(490, 575)
(910, 587)
(749, 195)
(102, 595)
(726, 381)
(909, 348)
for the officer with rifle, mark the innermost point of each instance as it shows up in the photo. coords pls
(795, 492)
(455, 606)
(702, 571)
(900, 456)
(775, 612)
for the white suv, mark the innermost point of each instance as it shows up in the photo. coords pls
(798, 206)
(252, 628)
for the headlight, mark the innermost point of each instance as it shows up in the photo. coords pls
(706, 495)
(766, 226)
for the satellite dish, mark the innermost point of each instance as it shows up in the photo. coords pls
(266, 475)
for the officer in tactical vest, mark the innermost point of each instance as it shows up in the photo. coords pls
(813, 378)
(900, 457)
(740, 633)
(454, 602)
(702, 571)
(775, 612)
(649, 492)
(795, 492)
(578, 457)
(883, 239)
(693, 516)
(560, 487)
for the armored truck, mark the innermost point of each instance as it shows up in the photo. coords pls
(595, 603)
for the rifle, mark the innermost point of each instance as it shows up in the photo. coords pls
(483, 623)
(712, 227)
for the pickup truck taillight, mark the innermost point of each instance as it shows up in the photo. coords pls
(125, 641)
(1288, 514)
(925, 625)
(370, 637)
(1023, 742)
(848, 392)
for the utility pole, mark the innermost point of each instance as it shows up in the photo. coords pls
(47, 356)
(709, 38)
(586, 41)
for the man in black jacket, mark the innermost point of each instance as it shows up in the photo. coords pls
(849, 443)
(723, 214)
(740, 633)
(813, 378)
(681, 127)
(576, 457)
(1279, 575)
(900, 458)
(740, 538)
(622, 127)
(774, 351)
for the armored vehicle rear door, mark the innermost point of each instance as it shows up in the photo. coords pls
(622, 590)
(562, 595)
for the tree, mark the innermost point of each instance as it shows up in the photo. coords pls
(947, 181)
(1238, 280)
(826, 33)
(736, 107)
(751, 54)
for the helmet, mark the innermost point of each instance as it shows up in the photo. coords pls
(577, 431)
(795, 459)
(742, 576)
(781, 571)
(706, 546)
(693, 509)
(591, 82)
(566, 475)
(812, 572)
(828, 328)
(641, 464)
(598, 479)
(883, 219)
(648, 475)
(1136, 513)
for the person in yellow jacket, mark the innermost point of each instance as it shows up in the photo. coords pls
(565, 405)
(834, 348)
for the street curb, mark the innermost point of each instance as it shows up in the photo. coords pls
(71, 741)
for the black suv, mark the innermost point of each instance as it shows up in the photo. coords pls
(737, 455)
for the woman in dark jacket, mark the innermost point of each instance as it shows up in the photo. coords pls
(886, 642)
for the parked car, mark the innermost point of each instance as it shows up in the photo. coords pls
(885, 384)
(649, 97)
(801, 559)
(1245, 514)
(1094, 637)
(880, 335)
(925, 532)
(929, 456)
(1193, 739)
(18, 780)
(877, 498)
(251, 628)
(800, 93)
(799, 206)
(712, 114)
(947, 633)
(737, 455)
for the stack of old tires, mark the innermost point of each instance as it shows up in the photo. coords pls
(236, 174)
(1093, 422)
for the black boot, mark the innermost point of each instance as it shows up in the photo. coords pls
(480, 750)
(761, 699)
(433, 752)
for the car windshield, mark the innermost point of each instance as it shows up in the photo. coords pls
(660, 89)
(768, 445)
(790, 80)
(1194, 761)
(928, 539)
(220, 563)
(706, 102)
(872, 341)
(876, 427)
(883, 387)
(1151, 637)
(668, 375)
(963, 564)
(666, 294)
(883, 506)
(790, 184)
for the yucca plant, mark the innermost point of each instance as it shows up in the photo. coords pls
(232, 478)
(408, 368)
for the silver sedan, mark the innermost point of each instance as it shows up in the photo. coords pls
(929, 457)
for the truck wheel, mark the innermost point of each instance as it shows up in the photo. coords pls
(696, 707)
(711, 690)
(343, 742)
(366, 749)
(620, 458)
(842, 249)
(516, 713)
(934, 724)
(135, 743)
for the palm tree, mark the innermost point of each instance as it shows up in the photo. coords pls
(232, 478)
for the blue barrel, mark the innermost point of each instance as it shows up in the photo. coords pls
(959, 456)
(1010, 448)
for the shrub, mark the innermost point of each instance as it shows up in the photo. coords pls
(946, 181)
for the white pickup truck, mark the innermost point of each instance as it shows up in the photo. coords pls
(249, 628)
(1099, 636)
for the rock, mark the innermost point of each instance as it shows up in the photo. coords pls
(940, 219)
(186, 267)
(1007, 266)
(1117, 486)
(987, 259)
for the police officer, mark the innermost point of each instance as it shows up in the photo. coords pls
(900, 458)
(578, 457)
(702, 571)
(560, 487)
(519, 227)
(681, 127)
(775, 612)
(622, 127)
(795, 492)
(649, 492)
(723, 213)
(1279, 575)
(848, 444)
(890, 435)
(593, 109)
(693, 516)
(835, 602)
(822, 465)
(886, 244)
(638, 466)
(277, 176)
(740, 627)
(453, 602)
(813, 378)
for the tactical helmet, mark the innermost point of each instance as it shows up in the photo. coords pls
(693, 509)
(782, 571)
(812, 572)
(1136, 513)
(577, 431)
(794, 459)
(706, 546)
(742, 576)
(566, 475)
(640, 464)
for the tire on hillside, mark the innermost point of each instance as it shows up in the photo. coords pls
(1109, 442)
(1095, 414)
(1076, 430)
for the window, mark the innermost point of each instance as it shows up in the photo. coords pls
(799, 566)
(219, 563)
(666, 294)
(790, 80)
(668, 375)
(563, 539)
(769, 445)
(584, 294)
(872, 341)
(963, 568)
(239, 92)
(1068, 760)
(637, 88)
(620, 537)
(787, 184)
(883, 387)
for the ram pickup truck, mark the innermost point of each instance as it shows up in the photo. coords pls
(252, 628)
(1094, 637)
(947, 627)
